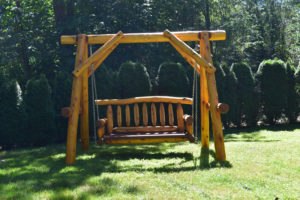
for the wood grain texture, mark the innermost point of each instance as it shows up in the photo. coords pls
(110, 122)
(153, 114)
(145, 114)
(162, 114)
(180, 122)
(127, 115)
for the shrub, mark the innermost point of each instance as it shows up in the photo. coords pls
(172, 80)
(62, 89)
(133, 80)
(271, 76)
(40, 112)
(291, 109)
(11, 115)
(229, 96)
(247, 99)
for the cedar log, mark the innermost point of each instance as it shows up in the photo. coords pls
(145, 99)
(145, 37)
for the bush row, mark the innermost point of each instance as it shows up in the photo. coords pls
(32, 117)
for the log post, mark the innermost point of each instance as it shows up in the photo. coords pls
(100, 124)
(110, 122)
(153, 114)
(204, 103)
(180, 122)
(75, 104)
(127, 115)
(119, 116)
(136, 115)
(213, 100)
(171, 114)
(162, 114)
(145, 114)
(84, 118)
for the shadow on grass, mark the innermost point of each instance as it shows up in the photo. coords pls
(36, 170)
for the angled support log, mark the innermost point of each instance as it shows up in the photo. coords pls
(98, 54)
(189, 51)
(75, 104)
(84, 118)
(213, 100)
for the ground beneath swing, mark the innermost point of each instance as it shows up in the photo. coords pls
(262, 164)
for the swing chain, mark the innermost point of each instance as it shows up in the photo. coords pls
(94, 97)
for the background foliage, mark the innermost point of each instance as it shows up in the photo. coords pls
(256, 31)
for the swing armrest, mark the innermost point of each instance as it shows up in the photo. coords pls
(189, 120)
(100, 124)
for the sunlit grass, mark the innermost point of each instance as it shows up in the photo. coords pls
(262, 164)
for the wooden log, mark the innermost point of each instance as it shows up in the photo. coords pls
(146, 99)
(180, 122)
(100, 132)
(153, 114)
(100, 124)
(188, 58)
(66, 112)
(204, 103)
(189, 124)
(127, 114)
(189, 51)
(98, 54)
(145, 114)
(213, 100)
(145, 129)
(144, 140)
(75, 106)
(136, 114)
(171, 114)
(102, 58)
(222, 108)
(119, 116)
(146, 37)
(110, 121)
(162, 114)
(84, 118)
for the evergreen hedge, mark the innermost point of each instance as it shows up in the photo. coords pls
(247, 101)
(40, 122)
(11, 112)
(291, 109)
(133, 80)
(230, 97)
(271, 76)
(172, 80)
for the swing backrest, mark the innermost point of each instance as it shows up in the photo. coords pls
(144, 121)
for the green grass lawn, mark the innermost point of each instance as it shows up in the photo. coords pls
(261, 164)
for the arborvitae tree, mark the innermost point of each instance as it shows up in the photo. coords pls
(172, 80)
(271, 76)
(11, 112)
(247, 99)
(62, 89)
(230, 97)
(297, 89)
(134, 80)
(291, 109)
(40, 111)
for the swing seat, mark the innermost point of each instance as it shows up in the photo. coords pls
(154, 132)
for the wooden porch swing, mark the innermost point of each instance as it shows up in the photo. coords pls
(167, 131)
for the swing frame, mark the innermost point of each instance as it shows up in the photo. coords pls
(202, 63)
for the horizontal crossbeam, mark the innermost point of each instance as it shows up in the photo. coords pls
(146, 37)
